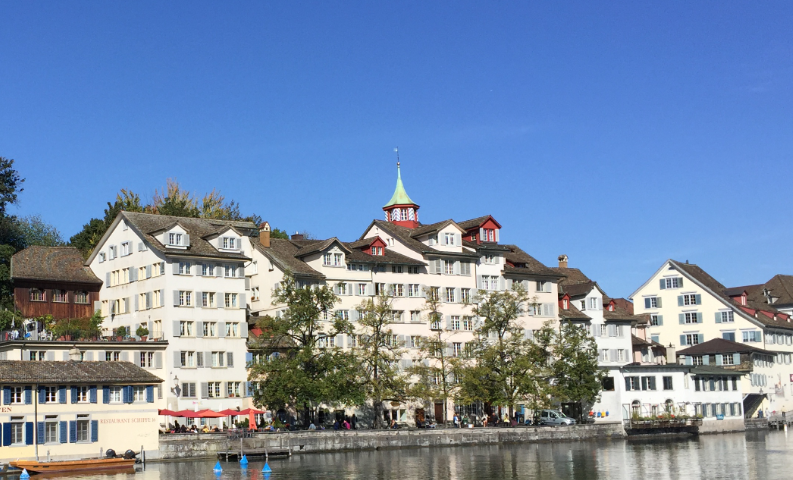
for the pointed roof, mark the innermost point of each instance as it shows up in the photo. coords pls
(400, 196)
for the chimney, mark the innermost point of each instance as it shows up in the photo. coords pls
(297, 236)
(671, 355)
(562, 261)
(75, 355)
(264, 234)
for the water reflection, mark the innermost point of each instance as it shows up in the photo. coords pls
(761, 456)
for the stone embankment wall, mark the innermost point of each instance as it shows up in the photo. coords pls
(208, 445)
(723, 426)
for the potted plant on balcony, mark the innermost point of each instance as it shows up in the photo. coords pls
(121, 332)
(142, 332)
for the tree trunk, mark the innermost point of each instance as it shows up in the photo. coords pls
(378, 414)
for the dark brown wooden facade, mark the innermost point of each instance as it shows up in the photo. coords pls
(26, 290)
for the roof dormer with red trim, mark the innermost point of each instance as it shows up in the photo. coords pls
(376, 248)
(486, 231)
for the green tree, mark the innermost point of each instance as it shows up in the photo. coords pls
(36, 232)
(575, 367)
(501, 370)
(10, 184)
(304, 372)
(278, 233)
(378, 352)
(12, 238)
(435, 367)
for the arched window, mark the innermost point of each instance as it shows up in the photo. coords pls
(636, 408)
(669, 405)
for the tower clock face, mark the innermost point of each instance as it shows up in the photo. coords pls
(395, 214)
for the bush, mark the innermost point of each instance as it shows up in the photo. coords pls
(121, 331)
(142, 331)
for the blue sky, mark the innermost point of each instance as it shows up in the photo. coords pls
(618, 133)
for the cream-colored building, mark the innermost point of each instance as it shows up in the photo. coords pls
(452, 261)
(184, 279)
(72, 409)
(688, 307)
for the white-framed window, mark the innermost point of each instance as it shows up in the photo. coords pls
(413, 270)
(115, 394)
(455, 323)
(689, 299)
(543, 286)
(83, 423)
(343, 314)
(398, 290)
(727, 359)
(156, 300)
(125, 249)
(415, 316)
(233, 389)
(232, 329)
(184, 268)
(465, 295)
(435, 293)
(448, 267)
(327, 259)
(674, 282)
(254, 294)
(16, 395)
(139, 393)
(690, 317)
(102, 257)
(210, 329)
(230, 300)
(457, 349)
(468, 324)
(376, 251)
(218, 359)
(213, 389)
(655, 320)
(174, 239)
(112, 356)
(185, 298)
(51, 394)
(490, 259)
(51, 429)
(230, 243)
(752, 336)
(37, 295)
(112, 252)
(186, 328)
(448, 238)
(396, 268)
(208, 270)
(188, 390)
(652, 302)
(208, 299)
(413, 290)
(593, 303)
(337, 260)
(362, 289)
(727, 317)
(187, 359)
(17, 430)
(450, 297)
(692, 339)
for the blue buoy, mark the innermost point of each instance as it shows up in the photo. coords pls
(266, 468)
(25, 474)
(244, 460)
(266, 476)
(217, 468)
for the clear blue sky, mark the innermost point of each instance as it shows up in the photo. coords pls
(619, 133)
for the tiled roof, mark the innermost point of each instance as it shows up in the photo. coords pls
(473, 223)
(719, 345)
(364, 242)
(620, 314)
(624, 304)
(576, 289)
(199, 230)
(639, 342)
(572, 313)
(403, 233)
(59, 264)
(431, 228)
(319, 246)
(572, 276)
(388, 257)
(780, 287)
(751, 308)
(533, 266)
(69, 373)
(282, 253)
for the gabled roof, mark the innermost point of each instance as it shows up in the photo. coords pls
(639, 342)
(780, 286)
(405, 235)
(533, 266)
(572, 313)
(364, 242)
(18, 372)
(400, 196)
(577, 289)
(320, 246)
(720, 345)
(148, 225)
(55, 264)
(282, 253)
(621, 315)
(389, 257)
(572, 276)
(477, 222)
(432, 228)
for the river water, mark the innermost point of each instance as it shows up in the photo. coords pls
(754, 455)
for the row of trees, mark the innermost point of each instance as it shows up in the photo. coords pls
(503, 366)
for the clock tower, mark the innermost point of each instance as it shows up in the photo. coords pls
(401, 210)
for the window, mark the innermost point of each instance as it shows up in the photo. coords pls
(232, 329)
(691, 317)
(51, 429)
(593, 303)
(728, 336)
(648, 383)
(655, 320)
(174, 239)
(208, 270)
(727, 359)
(435, 293)
(230, 300)
(82, 428)
(36, 355)
(229, 271)
(37, 295)
(413, 270)
(543, 286)
(59, 296)
(17, 430)
(210, 329)
(115, 394)
(112, 252)
(82, 394)
(188, 390)
(376, 251)
(667, 383)
(455, 322)
(141, 273)
(450, 295)
(343, 314)
(337, 260)
(208, 299)
(675, 282)
(327, 259)
(753, 336)
(186, 328)
(652, 302)
(185, 299)
(102, 257)
(230, 243)
(187, 359)
(16, 394)
(396, 316)
(396, 269)
(184, 268)
(604, 355)
(139, 393)
(398, 290)
(632, 383)
(457, 349)
(436, 323)
(607, 383)
(690, 299)
(489, 282)
(488, 235)
(465, 295)
(51, 394)
(254, 294)
(468, 324)
(217, 359)
(692, 339)
(233, 389)
(697, 360)
(413, 290)
(415, 316)
(448, 238)
(727, 317)
(125, 249)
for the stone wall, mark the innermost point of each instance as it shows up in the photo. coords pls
(722, 426)
(208, 445)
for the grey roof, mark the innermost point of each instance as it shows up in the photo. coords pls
(572, 313)
(282, 253)
(530, 265)
(431, 228)
(57, 264)
(780, 287)
(720, 345)
(474, 222)
(388, 257)
(711, 370)
(320, 245)
(406, 236)
(199, 229)
(70, 373)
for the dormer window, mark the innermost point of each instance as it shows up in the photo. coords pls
(488, 235)
(377, 251)
(332, 260)
(174, 239)
(449, 238)
(230, 243)
(743, 299)
(565, 304)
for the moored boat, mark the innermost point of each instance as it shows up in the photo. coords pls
(91, 464)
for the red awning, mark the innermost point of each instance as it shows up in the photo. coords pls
(168, 412)
(248, 411)
(230, 412)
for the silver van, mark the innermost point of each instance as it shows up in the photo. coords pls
(555, 417)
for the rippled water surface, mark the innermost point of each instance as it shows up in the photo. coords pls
(765, 456)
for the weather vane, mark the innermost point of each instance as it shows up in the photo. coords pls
(396, 149)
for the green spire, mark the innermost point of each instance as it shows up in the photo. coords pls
(400, 195)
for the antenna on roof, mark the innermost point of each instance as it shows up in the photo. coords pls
(396, 149)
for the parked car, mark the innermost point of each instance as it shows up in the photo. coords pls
(554, 417)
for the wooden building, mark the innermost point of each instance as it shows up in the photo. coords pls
(54, 281)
